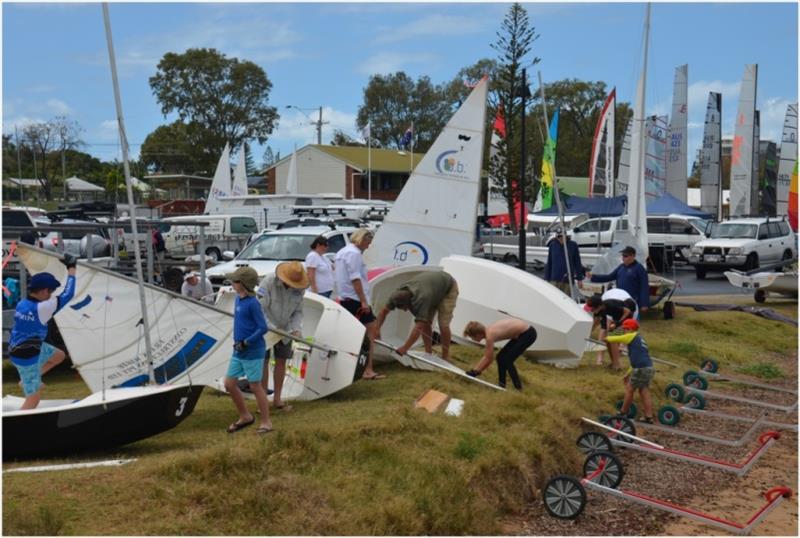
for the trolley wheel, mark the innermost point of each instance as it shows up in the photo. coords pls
(593, 442)
(695, 400)
(709, 365)
(760, 296)
(631, 410)
(669, 310)
(689, 376)
(675, 392)
(669, 415)
(612, 472)
(623, 424)
(564, 497)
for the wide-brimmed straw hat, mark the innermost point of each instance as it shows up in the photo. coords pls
(293, 274)
(246, 276)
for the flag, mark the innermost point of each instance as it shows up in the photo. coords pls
(406, 140)
(500, 122)
(366, 131)
(544, 200)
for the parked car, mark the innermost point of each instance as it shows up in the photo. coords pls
(269, 249)
(224, 232)
(21, 217)
(744, 244)
(76, 242)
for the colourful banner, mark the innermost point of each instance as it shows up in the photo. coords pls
(793, 199)
(545, 198)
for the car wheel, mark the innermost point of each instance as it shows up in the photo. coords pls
(511, 259)
(214, 253)
(787, 255)
(760, 295)
(700, 272)
(752, 262)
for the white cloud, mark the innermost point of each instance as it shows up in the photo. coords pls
(59, 107)
(296, 127)
(108, 131)
(41, 88)
(390, 62)
(773, 112)
(432, 25)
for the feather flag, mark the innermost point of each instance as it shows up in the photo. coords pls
(500, 122)
(406, 139)
(793, 199)
(544, 199)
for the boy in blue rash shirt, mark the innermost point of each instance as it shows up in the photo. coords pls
(30, 354)
(249, 327)
(639, 374)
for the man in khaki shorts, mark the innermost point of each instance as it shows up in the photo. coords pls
(430, 294)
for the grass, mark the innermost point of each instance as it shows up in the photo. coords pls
(363, 461)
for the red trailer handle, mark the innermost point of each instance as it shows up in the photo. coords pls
(764, 437)
(772, 494)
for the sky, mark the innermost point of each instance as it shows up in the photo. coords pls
(55, 60)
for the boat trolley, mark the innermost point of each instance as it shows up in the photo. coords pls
(670, 416)
(697, 398)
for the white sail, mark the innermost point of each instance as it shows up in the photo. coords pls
(742, 150)
(221, 184)
(192, 341)
(601, 166)
(678, 127)
(239, 187)
(788, 158)
(623, 175)
(291, 178)
(655, 161)
(434, 215)
(711, 157)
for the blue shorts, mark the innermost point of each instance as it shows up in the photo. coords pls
(252, 369)
(31, 375)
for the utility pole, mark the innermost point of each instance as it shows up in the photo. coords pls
(19, 167)
(524, 92)
(64, 172)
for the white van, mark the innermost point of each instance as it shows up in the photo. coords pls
(224, 232)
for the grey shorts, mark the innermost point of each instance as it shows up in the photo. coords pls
(641, 377)
(282, 351)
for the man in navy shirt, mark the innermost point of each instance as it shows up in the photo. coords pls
(555, 271)
(631, 276)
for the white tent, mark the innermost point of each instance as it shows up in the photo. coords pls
(76, 184)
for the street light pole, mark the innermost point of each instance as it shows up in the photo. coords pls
(524, 93)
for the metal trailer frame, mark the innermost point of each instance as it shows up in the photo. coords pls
(721, 377)
(737, 418)
(562, 491)
(740, 469)
(740, 399)
(757, 423)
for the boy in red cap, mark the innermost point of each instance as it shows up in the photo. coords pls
(640, 373)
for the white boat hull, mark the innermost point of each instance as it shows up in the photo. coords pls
(491, 291)
(782, 283)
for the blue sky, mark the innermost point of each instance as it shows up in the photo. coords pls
(55, 60)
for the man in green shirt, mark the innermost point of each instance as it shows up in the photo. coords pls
(432, 293)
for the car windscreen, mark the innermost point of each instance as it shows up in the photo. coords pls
(278, 247)
(732, 230)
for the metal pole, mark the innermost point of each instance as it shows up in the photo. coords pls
(129, 187)
(369, 167)
(150, 262)
(64, 172)
(19, 170)
(203, 253)
(319, 128)
(521, 227)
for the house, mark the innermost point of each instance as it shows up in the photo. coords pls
(344, 170)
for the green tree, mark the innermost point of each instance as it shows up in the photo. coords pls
(225, 96)
(340, 138)
(46, 141)
(249, 163)
(180, 148)
(269, 158)
(513, 45)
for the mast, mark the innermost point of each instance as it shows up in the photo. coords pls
(129, 188)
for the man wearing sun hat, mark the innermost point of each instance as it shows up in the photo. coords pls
(196, 289)
(281, 298)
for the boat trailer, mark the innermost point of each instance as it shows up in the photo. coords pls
(623, 434)
(565, 496)
(670, 416)
(708, 372)
(697, 398)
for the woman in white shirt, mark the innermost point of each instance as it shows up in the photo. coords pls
(319, 268)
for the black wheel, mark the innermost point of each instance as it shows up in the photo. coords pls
(631, 410)
(693, 379)
(760, 295)
(669, 415)
(564, 497)
(675, 392)
(709, 365)
(214, 254)
(510, 259)
(752, 262)
(695, 400)
(669, 310)
(689, 376)
(700, 273)
(593, 442)
(611, 474)
(623, 424)
(787, 255)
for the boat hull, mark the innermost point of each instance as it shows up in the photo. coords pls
(95, 423)
(781, 283)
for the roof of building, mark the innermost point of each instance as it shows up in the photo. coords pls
(381, 160)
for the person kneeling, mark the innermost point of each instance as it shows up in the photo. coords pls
(639, 375)
(520, 337)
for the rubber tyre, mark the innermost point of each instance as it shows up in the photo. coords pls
(612, 474)
(214, 253)
(690, 376)
(700, 273)
(695, 400)
(623, 424)
(564, 497)
(787, 255)
(669, 310)
(669, 415)
(709, 365)
(593, 442)
(760, 296)
(510, 259)
(631, 411)
(675, 392)
(752, 262)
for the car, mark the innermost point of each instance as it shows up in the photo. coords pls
(223, 232)
(76, 241)
(744, 244)
(268, 249)
(21, 217)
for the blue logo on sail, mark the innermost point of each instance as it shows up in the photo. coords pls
(194, 350)
(447, 164)
(410, 253)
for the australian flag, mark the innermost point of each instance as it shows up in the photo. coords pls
(406, 140)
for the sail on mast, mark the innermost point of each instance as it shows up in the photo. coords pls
(655, 161)
(601, 165)
(788, 158)
(623, 175)
(742, 150)
(754, 182)
(221, 184)
(678, 126)
(239, 187)
(711, 158)
(291, 178)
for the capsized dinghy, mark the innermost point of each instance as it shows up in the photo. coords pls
(192, 341)
(488, 292)
(105, 419)
(765, 282)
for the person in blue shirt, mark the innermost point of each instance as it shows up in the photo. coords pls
(249, 328)
(639, 375)
(30, 354)
(630, 276)
(555, 270)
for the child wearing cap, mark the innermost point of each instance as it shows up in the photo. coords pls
(640, 373)
(30, 354)
(249, 327)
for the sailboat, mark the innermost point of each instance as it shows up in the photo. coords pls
(624, 171)
(678, 126)
(788, 158)
(108, 417)
(239, 186)
(431, 228)
(711, 158)
(221, 184)
(601, 165)
(742, 194)
(655, 157)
